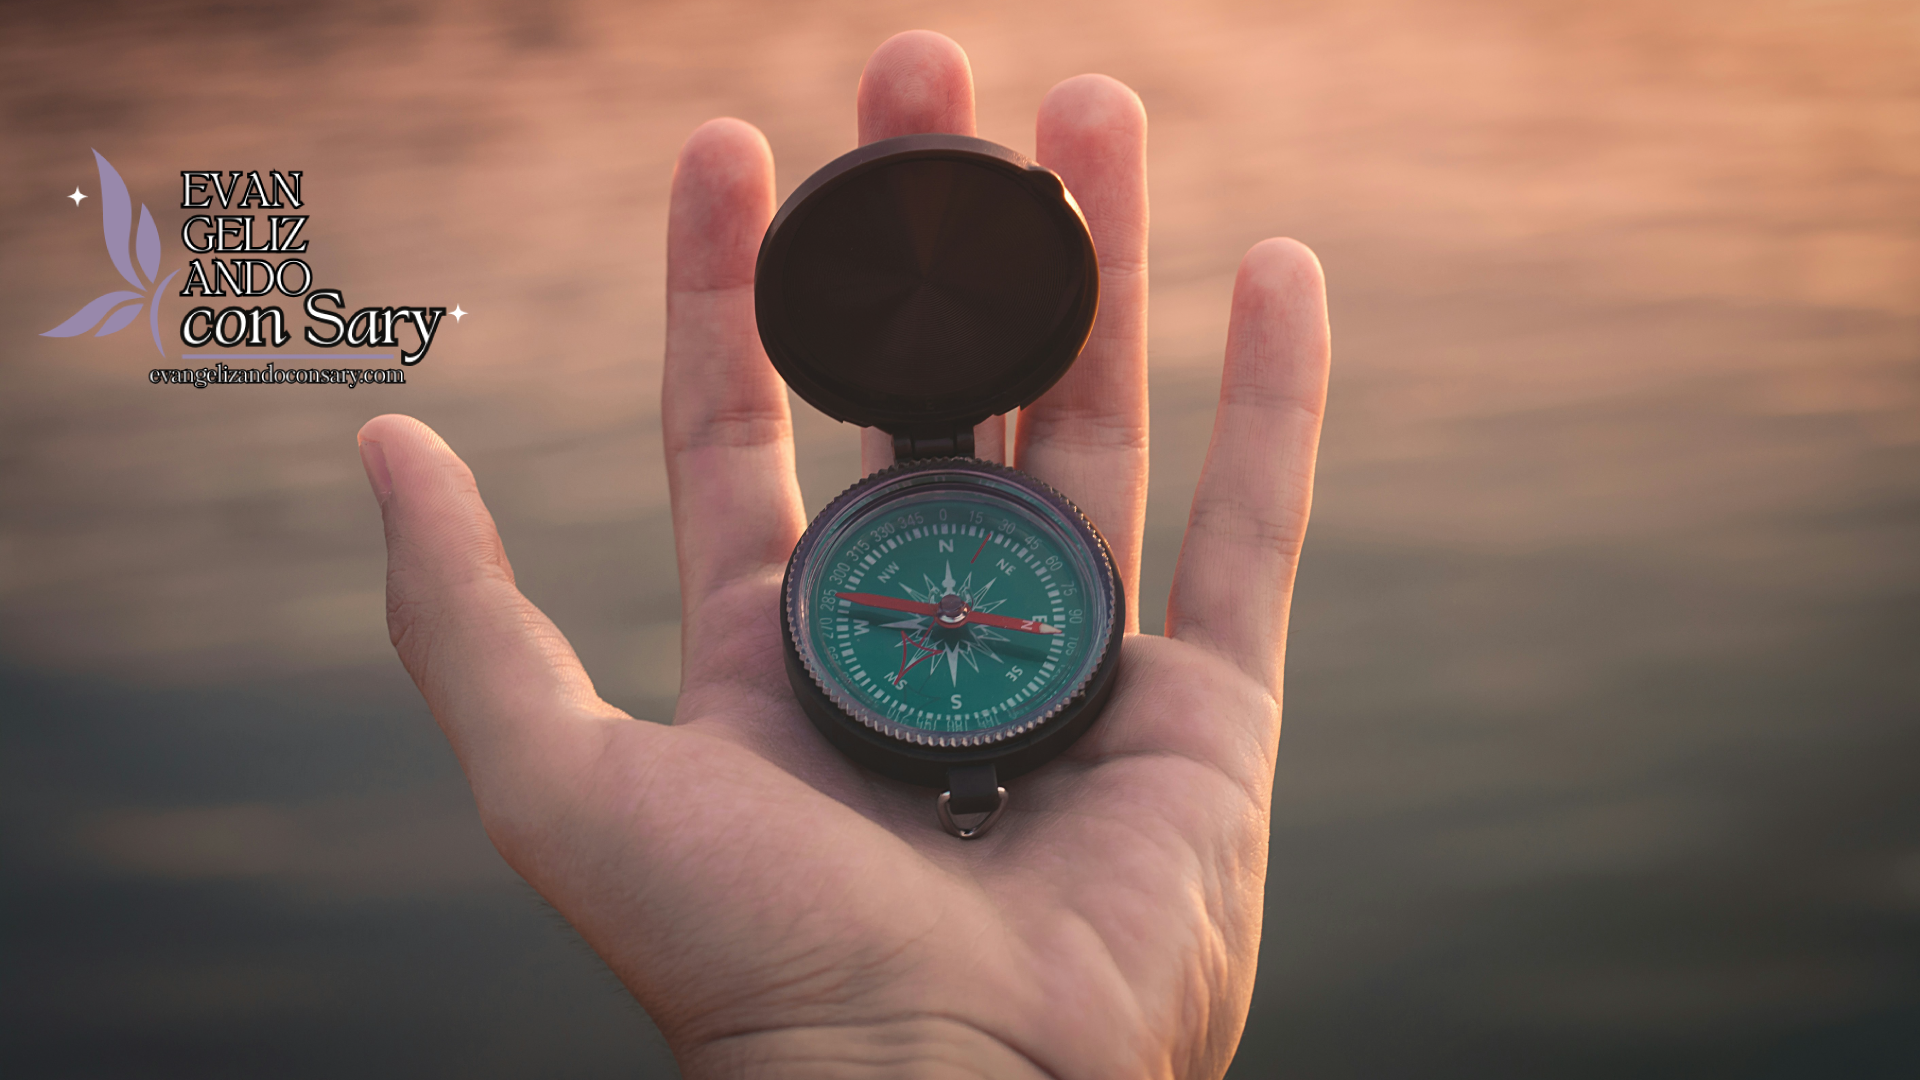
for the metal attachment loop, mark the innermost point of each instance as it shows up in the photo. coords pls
(948, 823)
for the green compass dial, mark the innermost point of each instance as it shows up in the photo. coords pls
(961, 608)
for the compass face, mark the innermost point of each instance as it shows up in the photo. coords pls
(952, 607)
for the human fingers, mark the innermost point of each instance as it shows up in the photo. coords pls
(918, 81)
(1087, 435)
(723, 408)
(1234, 582)
(500, 678)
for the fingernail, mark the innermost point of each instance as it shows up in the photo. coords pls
(373, 458)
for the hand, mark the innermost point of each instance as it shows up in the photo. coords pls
(776, 909)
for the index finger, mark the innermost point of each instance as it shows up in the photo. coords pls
(723, 409)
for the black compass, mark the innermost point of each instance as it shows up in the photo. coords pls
(949, 622)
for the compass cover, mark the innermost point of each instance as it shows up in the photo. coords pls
(924, 283)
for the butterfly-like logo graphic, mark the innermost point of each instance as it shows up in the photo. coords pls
(120, 308)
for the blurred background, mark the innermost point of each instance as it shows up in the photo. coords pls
(1602, 749)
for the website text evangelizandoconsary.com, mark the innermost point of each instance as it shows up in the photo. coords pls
(222, 375)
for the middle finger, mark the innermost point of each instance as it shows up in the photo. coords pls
(1087, 435)
(915, 82)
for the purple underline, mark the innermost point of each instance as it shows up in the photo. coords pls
(285, 356)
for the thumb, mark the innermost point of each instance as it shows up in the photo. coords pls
(502, 681)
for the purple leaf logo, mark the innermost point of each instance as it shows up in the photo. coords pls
(120, 308)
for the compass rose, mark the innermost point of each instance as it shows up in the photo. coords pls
(971, 640)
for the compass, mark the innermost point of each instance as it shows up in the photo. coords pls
(948, 622)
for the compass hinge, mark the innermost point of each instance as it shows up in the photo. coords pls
(956, 444)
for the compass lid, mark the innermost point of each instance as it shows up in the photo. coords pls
(924, 283)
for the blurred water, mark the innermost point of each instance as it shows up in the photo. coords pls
(1601, 735)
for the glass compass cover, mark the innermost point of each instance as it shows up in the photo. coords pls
(952, 609)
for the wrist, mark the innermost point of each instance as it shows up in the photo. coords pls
(920, 1048)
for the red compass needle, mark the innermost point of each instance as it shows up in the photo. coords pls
(911, 607)
(915, 607)
(1001, 622)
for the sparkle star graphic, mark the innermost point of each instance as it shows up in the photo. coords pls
(457, 313)
(76, 196)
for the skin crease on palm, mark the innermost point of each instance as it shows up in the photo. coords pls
(781, 912)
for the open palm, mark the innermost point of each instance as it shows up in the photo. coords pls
(782, 912)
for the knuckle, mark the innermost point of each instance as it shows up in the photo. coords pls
(515, 829)
(1273, 403)
(1243, 525)
(406, 625)
(1084, 426)
(736, 425)
(1123, 266)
